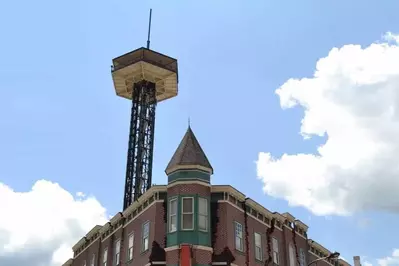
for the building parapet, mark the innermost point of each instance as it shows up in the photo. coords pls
(93, 231)
(320, 251)
(118, 220)
(68, 262)
(257, 210)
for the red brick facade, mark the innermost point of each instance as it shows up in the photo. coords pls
(228, 212)
(191, 189)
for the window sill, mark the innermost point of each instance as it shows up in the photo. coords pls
(240, 252)
(144, 251)
(259, 261)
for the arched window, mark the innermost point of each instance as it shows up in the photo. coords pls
(292, 255)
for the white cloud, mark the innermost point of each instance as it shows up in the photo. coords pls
(389, 261)
(39, 227)
(353, 100)
(392, 260)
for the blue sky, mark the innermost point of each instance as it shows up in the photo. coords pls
(61, 120)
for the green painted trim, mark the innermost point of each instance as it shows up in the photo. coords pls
(194, 198)
(193, 236)
(189, 179)
(207, 215)
(189, 174)
(169, 199)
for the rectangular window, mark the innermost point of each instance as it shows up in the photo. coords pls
(173, 215)
(238, 236)
(146, 236)
(276, 259)
(187, 214)
(105, 257)
(302, 257)
(130, 247)
(258, 246)
(117, 252)
(291, 254)
(93, 259)
(84, 263)
(203, 214)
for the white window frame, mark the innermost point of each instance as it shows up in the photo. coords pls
(130, 246)
(205, 215)
(117, 252)
(105, 257)
(276, 254)
(183, 214)
(237, 225)
(302, 257)
(291, 254)
(172, 201)
(145, 236)
(93, 260)
(258, 247)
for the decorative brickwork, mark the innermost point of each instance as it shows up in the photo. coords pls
(189, 189)
(172, 257)
(203, 257)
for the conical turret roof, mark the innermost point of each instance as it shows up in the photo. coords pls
(189, 154)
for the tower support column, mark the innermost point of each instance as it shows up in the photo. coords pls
(141, 141)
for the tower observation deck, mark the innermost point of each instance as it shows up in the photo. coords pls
(145, 77)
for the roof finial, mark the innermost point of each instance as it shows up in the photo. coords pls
(189, 123)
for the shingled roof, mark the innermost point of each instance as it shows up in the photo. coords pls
(189, 154)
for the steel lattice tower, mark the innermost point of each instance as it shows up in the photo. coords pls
(145, 77)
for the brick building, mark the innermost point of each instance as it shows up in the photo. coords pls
(191, 222)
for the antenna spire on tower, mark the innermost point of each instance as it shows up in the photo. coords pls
(149, 30)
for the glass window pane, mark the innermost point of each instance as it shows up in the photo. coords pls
(131, 237)
(187, 221)
(187, 205)
(302, 257)
(258, 240)
(146, 229)
(203, 206)
(130, 251)
(173, 207)
(117, 246)
(238, 243)
(173, 223)
(258, 253)
(275, 257)
(275, 245)
(291, 255)
(238, 230)
(202, 222)
(105, 255)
